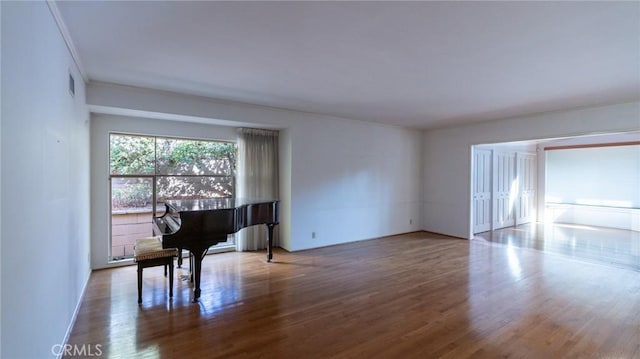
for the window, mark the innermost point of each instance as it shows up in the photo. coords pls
(145, 171)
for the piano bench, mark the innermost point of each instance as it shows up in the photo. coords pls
(148, 252)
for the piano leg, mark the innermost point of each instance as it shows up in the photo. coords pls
(270, 242)
(198, 255)
(191, 267)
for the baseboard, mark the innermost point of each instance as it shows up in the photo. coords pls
(67, 335)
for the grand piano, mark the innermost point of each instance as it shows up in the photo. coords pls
(198, 224)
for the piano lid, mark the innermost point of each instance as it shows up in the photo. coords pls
(189, 205)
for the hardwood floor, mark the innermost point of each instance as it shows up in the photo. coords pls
(418, 295)
(615, 247)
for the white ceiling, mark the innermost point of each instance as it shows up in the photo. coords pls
(416, 64)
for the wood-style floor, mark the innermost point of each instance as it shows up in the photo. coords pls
(418, 295)
(610, 246)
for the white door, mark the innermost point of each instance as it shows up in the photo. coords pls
(526, 173)
(505, 189)
(482, 191)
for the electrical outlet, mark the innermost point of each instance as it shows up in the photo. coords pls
(313, 235)
(411, 221)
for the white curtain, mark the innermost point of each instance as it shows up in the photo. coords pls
(257, 177)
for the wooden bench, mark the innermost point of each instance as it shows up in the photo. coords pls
(148, 252)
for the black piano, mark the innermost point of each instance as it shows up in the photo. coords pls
(198, 224)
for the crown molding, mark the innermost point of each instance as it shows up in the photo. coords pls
(55, 12)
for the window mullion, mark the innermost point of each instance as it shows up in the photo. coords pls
(154, 195)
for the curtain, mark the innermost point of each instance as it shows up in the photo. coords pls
(257, 177)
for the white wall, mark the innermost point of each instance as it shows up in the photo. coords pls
(345, 180)
(285, 188)
(352, 180)
(596, 176)
(588, 183)
(1, 178)
(45, 183)
(447, 155)
(621, 218)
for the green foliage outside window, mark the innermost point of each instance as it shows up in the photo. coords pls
(182, 169)
(132, 155)
(131, 193)
(189, 157)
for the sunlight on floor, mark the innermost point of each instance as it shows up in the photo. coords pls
(620, 248)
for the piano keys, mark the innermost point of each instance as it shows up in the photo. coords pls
(196, 225)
